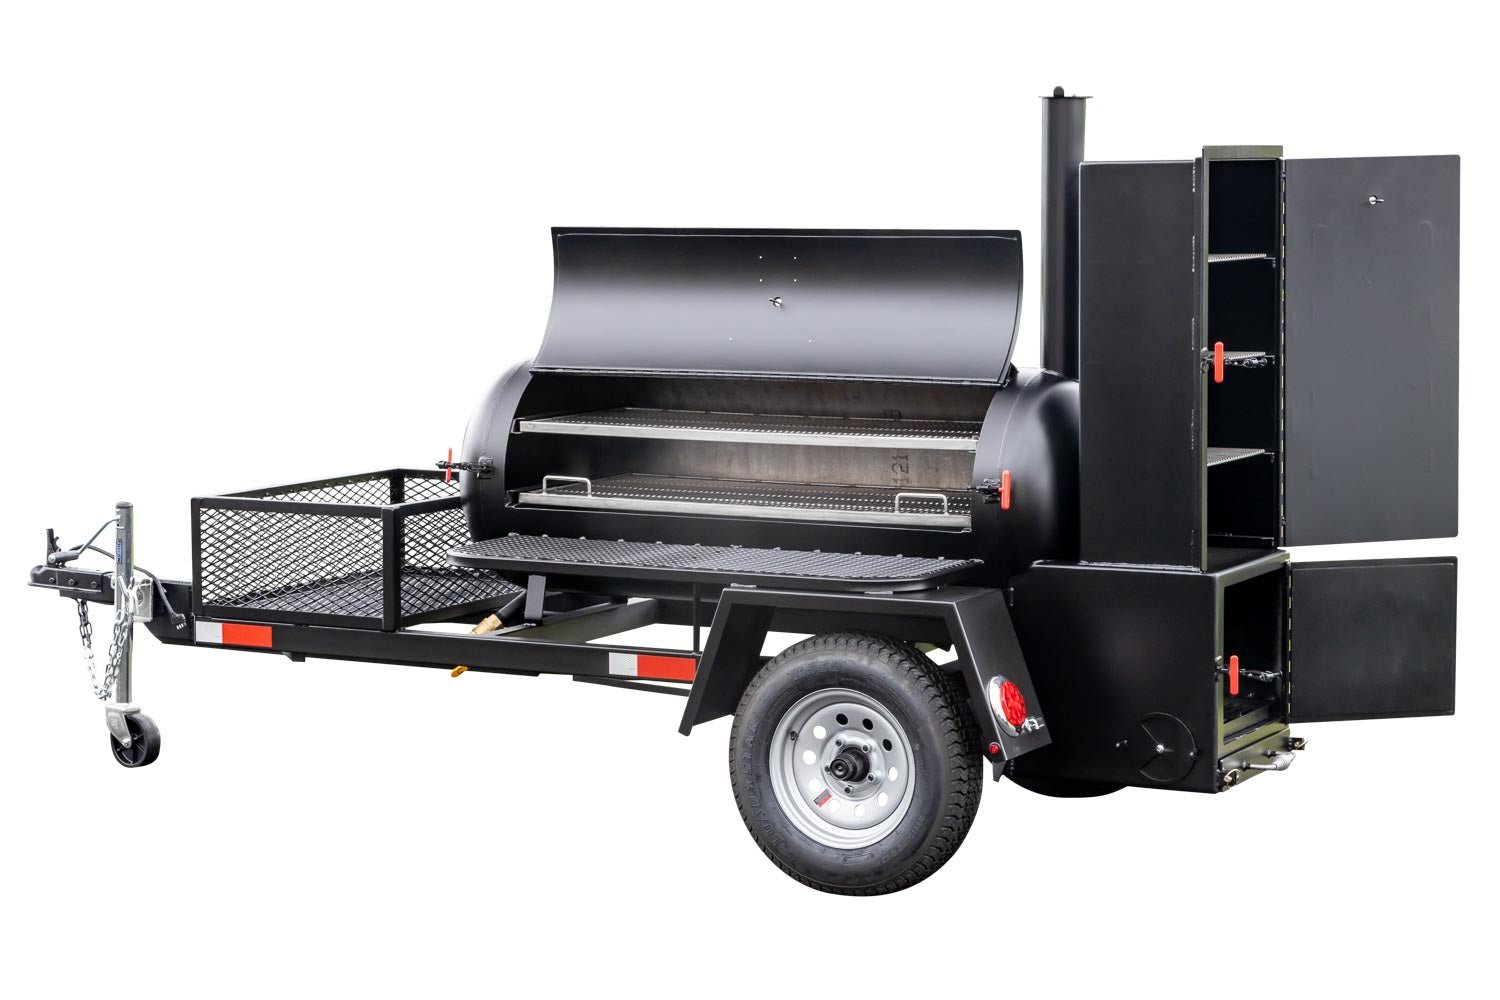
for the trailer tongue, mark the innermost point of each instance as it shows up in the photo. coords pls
(1073, 574)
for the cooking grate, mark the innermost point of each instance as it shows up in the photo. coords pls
(758, 498)
(1222, 456)
(688, 425)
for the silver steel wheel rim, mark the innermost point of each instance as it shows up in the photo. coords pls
(805, 748)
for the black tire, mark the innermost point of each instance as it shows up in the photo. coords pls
(1064, 788)
(946, 767)
(145, 742)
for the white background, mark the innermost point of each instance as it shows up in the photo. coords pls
(243, 244)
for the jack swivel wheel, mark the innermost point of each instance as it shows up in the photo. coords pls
(145, 739)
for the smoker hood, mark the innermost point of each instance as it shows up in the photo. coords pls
(897, 305)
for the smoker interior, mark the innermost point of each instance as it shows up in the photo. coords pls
(850, 453)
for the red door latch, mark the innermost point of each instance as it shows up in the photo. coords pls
(1218, 361)
(1234, 675)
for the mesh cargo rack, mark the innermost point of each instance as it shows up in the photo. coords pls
(363, 551)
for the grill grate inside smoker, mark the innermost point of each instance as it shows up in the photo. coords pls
(1222, 456)
(688, 425)
(1230, 258)
(758, 498)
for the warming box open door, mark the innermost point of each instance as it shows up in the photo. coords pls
(1372, 639)
(1371, 352)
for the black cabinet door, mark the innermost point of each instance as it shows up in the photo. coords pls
(1372, 639)
(1140, 384)
(1371, 450)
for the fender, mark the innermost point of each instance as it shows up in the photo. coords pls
(974, 620)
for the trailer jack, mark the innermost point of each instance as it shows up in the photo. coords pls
(134, 738)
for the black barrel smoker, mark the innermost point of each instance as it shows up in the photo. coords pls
(1074, 573)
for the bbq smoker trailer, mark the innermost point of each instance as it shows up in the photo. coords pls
(822, 433)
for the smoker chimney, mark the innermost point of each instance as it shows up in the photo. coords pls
(1062, 152)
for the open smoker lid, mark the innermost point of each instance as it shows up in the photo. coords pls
(907, 305)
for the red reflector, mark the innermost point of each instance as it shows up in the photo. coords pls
(994, 749)
(1012, 704)
(258, 636)
(1234, 675)
(666, 668)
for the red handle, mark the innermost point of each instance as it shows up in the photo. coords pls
(448, 472)
(1234, 675)
(1218, 361)
(1005, 490)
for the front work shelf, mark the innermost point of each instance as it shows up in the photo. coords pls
(722, 565)
(757, 498)
(756, 428)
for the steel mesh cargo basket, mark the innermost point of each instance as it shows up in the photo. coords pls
(364, 551)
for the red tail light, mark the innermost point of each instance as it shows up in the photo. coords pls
(1008, 702)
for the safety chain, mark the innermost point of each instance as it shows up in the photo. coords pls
(123, 620)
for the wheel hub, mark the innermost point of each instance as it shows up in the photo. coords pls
(841, 768)
(850, 765)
